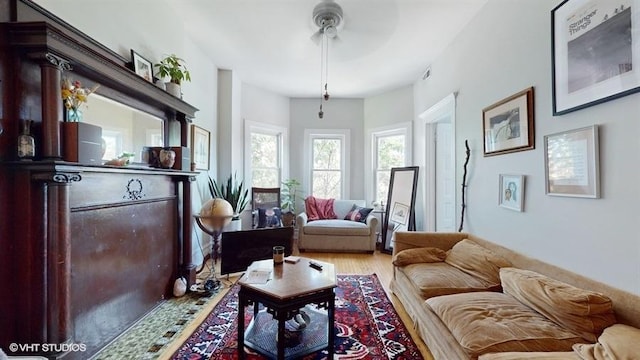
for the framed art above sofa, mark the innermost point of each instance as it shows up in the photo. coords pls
(508, 125)
(572, 163)
(594, 51)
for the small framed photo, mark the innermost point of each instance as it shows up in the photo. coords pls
(511, 194)
(400, 213)
(595, 51)
(572, 163)
(142, 66)
(508, 124)
(200, 145)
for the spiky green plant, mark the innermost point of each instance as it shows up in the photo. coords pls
(235, 194)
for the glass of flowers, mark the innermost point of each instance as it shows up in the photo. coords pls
(74, 95)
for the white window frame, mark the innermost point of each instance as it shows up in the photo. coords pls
(404, 128)
(344, 135)
(251, 127)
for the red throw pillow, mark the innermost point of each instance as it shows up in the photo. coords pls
(318, 209)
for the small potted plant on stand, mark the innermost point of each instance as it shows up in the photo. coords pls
(175, 69)
(235, 194)
(289, 195)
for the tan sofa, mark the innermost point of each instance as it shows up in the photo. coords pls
(338, 235)
(499, 304)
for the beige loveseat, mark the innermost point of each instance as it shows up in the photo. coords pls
(499, 304)
(338, 235)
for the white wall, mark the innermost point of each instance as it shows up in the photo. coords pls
(224, 130)
(391, 107)
(264, 106)
(338, 114)
(505, 49)
(383, 111)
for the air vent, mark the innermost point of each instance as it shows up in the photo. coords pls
(426, 73)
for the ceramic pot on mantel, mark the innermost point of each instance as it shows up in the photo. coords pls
(174, 89)
(167, 158)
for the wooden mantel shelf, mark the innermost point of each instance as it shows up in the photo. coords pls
(65, 166)
(92, 60)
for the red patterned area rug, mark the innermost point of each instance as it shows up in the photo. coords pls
(367, 326)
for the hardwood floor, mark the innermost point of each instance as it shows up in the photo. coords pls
(345, 263)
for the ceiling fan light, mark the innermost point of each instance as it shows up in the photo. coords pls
(327, 12)
(330, 31)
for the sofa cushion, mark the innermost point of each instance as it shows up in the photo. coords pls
(616, 342)
(336, 227)
(476, 260)
(529, 355)
(318, 209)
(358, 213)
(419, 255)
(435, 279)
(486, 322)
(581, 311)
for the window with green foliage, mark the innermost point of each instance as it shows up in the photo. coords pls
(265, 160)
(327, 169)
(326, 165)
(389, 152)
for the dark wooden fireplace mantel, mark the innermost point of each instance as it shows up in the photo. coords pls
(85, 251)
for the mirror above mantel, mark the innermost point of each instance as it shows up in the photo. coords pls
(124, 128)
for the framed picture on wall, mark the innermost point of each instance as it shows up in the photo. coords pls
(511, 193)
(595, 48)
(572, 163)
(508, 124)
(200, 145)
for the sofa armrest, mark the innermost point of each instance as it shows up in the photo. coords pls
(372, 222)
(301, 219)
(416, 239)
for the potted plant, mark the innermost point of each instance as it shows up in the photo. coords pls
(288, 195)
(236, 194)
(175, 69)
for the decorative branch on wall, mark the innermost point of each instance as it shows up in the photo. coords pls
(464, 182)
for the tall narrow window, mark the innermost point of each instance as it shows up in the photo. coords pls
(327, 172)
(265, 160)
(327, 163)
(265, 154)
(389, 151)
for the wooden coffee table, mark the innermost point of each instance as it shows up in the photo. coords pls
(290, 288)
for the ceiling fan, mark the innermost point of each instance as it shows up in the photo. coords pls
(327, 15)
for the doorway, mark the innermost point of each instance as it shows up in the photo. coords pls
(440, 161)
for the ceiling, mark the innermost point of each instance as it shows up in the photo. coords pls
(383, 44)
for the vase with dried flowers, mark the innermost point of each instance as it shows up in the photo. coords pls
(74, 95)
